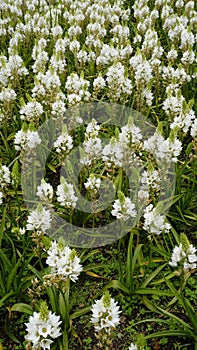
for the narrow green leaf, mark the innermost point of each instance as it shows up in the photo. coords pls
(51, 167)
(153, 275)
(169, 276)
(153, 291)
(2, 225)
(117, 285)
(8, 295)
(80, 312)
(169, 333)
(6, 262)
(62, 306)
(8, 330)
(22, 307)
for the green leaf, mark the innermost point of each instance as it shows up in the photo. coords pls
(22, 307)
(169, 276)
(153, 275)
(153, 291)
(80, 312)
(6, 261)
(117, 285)
(12, 275)
(169, 333)
(8, 295)
(51, 167)
(62, 306)
(2, 226)
(8, 331)
(52, 294)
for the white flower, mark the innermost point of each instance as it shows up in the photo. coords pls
(44, 191)
(4, 175)
(117, 82)
(92, 146)
(22, 230)
(193, 131)
(77, 89)
(99, 83)
(105, 314)
(91, 150)
(31, 110)
(92, 183)
(151, 178)
(133, 347)
(1, 197)
(113, 153)
(64, 143)
(66, 194)
(187, 257)
(92, 129)
(154, 223)
(24, 139)
(7, 95)
(163, 149)
(63, 261)
(130, 134)
(123, 209)
(39, 220)
(42, 330)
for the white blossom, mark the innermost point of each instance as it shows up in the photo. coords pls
(26, 139)
(63, 261)
(187, 257)
(124, 209)
(64, 143)
(133, 346)
(44, 191)
(4, 176)
(31, 110)
(39, 220)
(92, 183)
(66, 194)
(154, 223)
(42, 330)
(105, 314)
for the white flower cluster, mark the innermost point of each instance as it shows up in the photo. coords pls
(113, 153)
(133, 347)
(45, 191)
(151, 179)
(130, 134)
(118, 83)
(13, 68)
(63, 261)
(42, 331)
(26, 139)
(66, 194)
(39, 220)
(64, 143)
(4, 179)
(154, 223)
(7, 95)
(31, 110)
(105, 314)
(92, 183)
(163, 150)
(186, 257)
(47, 87)
(123, 208)
(92, 146)
(77, 89)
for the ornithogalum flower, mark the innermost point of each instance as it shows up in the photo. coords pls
(42, 328)
(105, 313)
